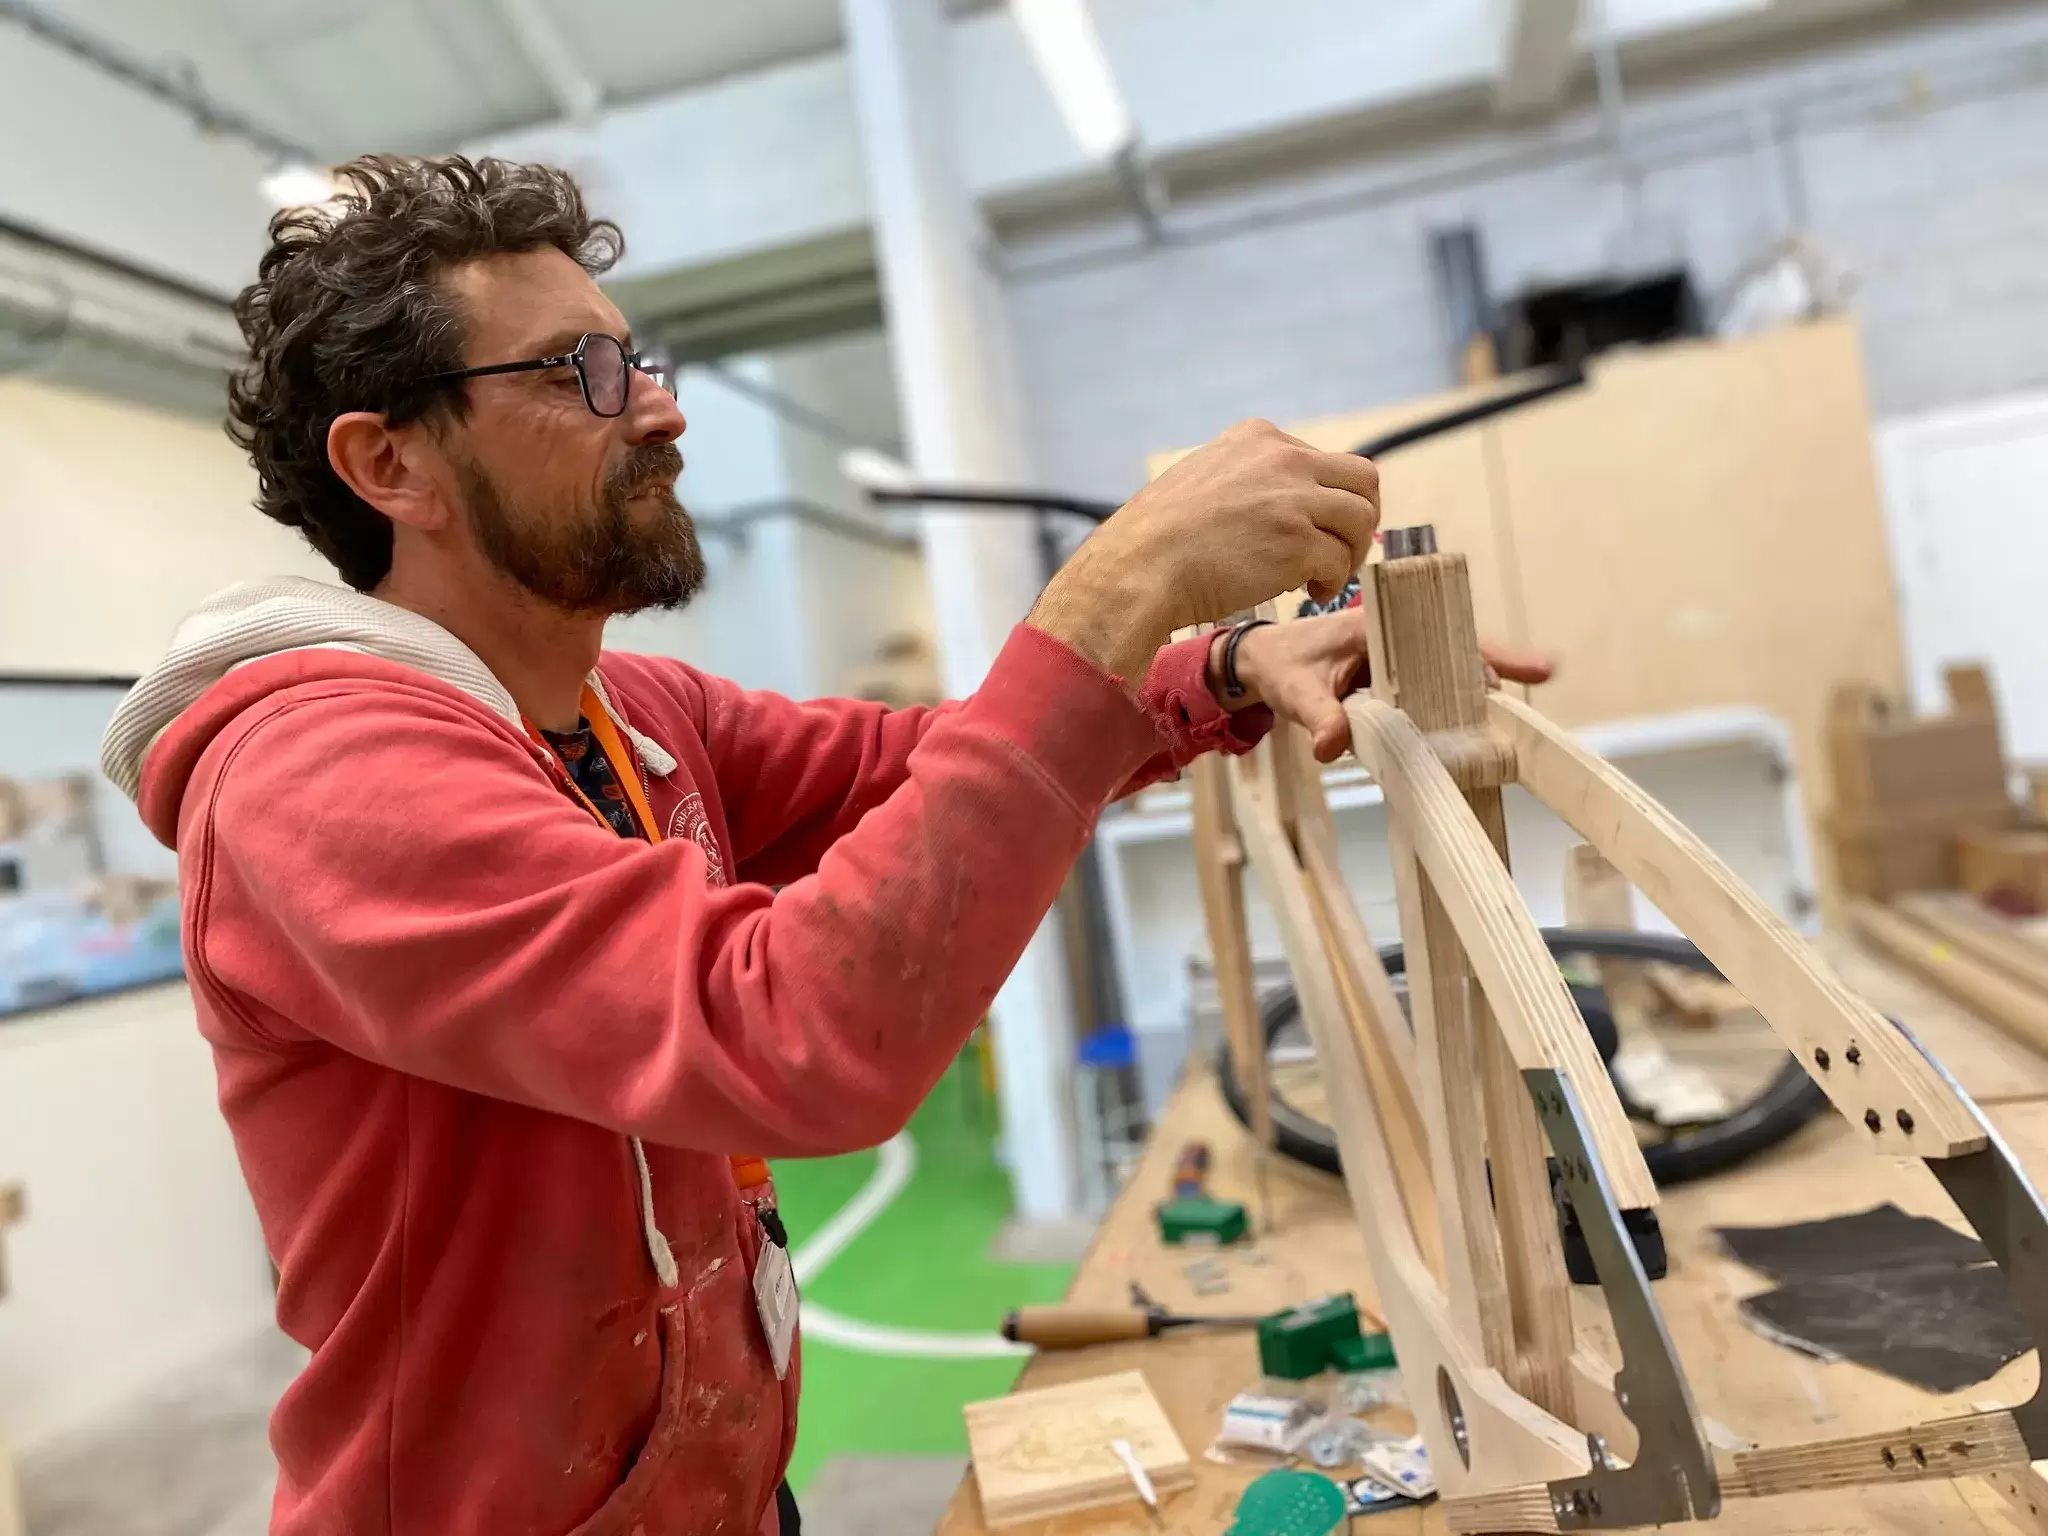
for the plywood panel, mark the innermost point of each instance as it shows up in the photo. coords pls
(1702, 528)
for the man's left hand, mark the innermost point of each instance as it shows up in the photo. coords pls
(1303, 670)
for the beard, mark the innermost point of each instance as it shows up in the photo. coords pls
(600, 559)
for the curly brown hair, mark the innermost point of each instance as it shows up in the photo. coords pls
(348, 313)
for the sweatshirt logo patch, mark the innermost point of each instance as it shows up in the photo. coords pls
(690, 821)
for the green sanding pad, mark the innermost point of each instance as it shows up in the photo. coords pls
(1289, 1503)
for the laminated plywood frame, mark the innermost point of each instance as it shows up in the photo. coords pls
(1529, 1427)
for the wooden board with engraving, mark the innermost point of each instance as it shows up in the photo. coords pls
(1046, 1453)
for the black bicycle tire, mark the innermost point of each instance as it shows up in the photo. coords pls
(1785, 1105)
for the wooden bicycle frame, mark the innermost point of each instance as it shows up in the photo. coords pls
(1443, 1128)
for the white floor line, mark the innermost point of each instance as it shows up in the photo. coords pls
(896, 1162)
(824, 1326)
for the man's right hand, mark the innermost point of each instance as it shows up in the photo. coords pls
(1251, 515)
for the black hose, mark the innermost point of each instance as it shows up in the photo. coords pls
(1785, 1104)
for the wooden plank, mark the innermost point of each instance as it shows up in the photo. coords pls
(1379, 1025)
(1448, 1090)
(1219, 871)
(1990, 991)
(1046, 1453)
(1538, 1287)
(1428, 666)
(1967, 1445)
(1804, 1002)
(1530, 999)
(1971, 926)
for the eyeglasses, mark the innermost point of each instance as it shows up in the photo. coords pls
(603, 367)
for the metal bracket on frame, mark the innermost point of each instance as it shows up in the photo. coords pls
(1672, 1478)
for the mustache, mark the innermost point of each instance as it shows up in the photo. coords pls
(648, 465)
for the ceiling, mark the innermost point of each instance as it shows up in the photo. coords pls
(345, 76)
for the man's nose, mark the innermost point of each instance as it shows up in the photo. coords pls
(651, 411)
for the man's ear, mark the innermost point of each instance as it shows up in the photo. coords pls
(394, 469)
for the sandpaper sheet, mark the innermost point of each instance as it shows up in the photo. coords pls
(1883, 1237)
(1900, 1294)
(1941, 1329)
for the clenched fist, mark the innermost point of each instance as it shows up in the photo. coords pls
(1250, 515)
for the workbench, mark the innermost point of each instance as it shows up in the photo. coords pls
(1747, 1387)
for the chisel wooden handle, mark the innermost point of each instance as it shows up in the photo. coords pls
(1077, 1327)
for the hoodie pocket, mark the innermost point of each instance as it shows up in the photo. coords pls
(653, 1498)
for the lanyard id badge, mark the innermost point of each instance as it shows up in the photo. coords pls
(775, 1299)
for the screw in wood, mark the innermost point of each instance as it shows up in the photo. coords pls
(1854, 1055)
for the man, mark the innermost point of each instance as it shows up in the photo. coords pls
(516, 957)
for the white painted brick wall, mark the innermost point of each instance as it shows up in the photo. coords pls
(1937, 205)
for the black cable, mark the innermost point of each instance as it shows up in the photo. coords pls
(1555, 381)
(1570, 376)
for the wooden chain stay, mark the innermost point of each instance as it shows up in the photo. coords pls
(1445, 1127)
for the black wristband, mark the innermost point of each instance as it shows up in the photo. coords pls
(1232, 688)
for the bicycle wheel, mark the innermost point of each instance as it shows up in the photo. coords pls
(1769, 1095)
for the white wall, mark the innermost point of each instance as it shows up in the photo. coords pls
(140, 1253)
(1966, 500)
(788, 604)
(115, 520)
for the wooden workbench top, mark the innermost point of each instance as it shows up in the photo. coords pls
(1760, 1391)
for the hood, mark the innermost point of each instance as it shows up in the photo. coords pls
(255, 619)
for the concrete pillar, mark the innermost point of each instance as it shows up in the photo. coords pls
(957, 385)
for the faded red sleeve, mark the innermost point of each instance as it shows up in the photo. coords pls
(795, 777)
(385, 871)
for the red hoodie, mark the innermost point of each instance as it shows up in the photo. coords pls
(441, 997)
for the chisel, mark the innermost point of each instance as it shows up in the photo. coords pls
(1063, 1327)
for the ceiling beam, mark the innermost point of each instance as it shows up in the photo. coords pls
(576, 94)
(1538, 54)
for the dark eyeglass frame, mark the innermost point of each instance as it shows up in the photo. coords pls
(634, 361)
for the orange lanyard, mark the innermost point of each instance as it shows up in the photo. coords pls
(748, 1172)
(624, 764)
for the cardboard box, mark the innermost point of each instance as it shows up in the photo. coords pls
(1906, 789)
(2008, 868)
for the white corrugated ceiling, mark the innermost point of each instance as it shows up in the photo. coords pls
(343, 76)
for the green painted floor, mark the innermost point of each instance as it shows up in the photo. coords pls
(922, 1264)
